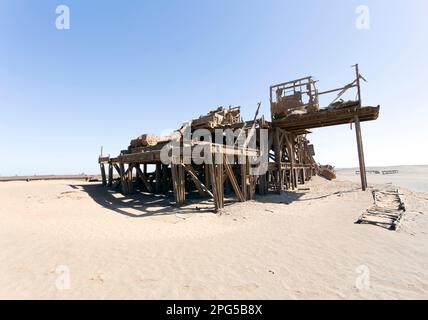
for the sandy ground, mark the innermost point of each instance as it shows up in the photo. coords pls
(75, 240)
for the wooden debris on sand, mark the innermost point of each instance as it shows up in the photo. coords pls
(387, 211)
(327, 172)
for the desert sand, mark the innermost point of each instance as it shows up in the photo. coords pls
(301, 245)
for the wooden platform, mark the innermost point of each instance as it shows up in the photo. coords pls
(326, 118)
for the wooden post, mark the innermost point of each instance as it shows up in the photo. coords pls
(360, 154)
(202, 189)
(129, 178)
(143, 178)
(232, 180)
(175, 185)
(110, 175)
(359, 136)
(158, 177)
(123, 183)
(250, 183)
(103, 174)
(244, 180)
(182, 180)
(207, 175)
(165, 179)
(278, 160)
(220, 184)
(214, 186)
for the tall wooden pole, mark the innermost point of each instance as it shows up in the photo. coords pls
(359, 137)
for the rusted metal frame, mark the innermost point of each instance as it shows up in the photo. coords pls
(290, 82)
(338, 89)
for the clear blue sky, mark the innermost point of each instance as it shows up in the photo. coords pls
(128, 67)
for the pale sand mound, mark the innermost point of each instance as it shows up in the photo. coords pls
(118, 247)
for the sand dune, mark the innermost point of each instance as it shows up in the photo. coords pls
(75, 240)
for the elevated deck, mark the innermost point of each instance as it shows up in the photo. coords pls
(326, 118)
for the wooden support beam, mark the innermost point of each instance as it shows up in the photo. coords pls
(165, 178)
(178, 182)
(244, 180)
(144, 179)
(158, 177)
(290, 147)
(129, 178)
(250, 182)
(117, 169)
(175, 185)
(214, 186)
(202, 189)
(103, 174)
(220, 184)
(110, 175)
(361, 160)
(207, 176)
(182, 181)
(278, 158)
(233, 180)
(123, 182)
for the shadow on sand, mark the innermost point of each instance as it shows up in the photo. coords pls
(144, 205)
(140, 204)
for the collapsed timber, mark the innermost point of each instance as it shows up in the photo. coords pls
(288, 154)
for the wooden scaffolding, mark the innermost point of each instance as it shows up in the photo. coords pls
(290, 155)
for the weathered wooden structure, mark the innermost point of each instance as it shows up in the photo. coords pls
(295, 110)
